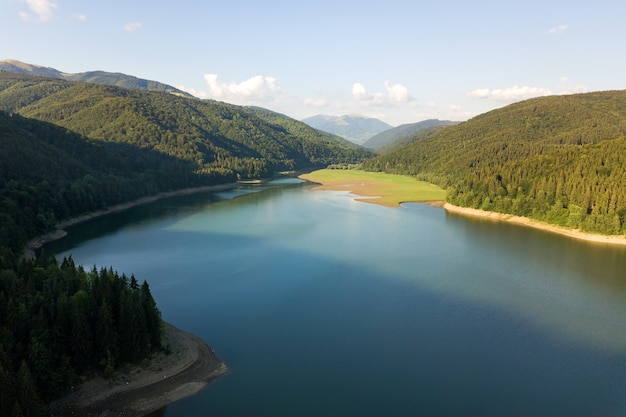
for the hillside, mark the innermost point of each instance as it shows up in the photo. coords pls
(216, 137)
(408, 132)
(96, 77)
(48, 174)
(77, 147)
(356, 129)
(558, 159)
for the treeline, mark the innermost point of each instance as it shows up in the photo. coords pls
(556, 159)
(58, 322)
(213, 136)
(48, 174)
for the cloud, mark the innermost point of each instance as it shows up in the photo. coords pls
(510, 94)
(43, 10)
(133, 26)
(255, 89)
(557, 29)
(359, 92)
(395, 94)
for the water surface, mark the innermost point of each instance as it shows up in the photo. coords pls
(323, 306)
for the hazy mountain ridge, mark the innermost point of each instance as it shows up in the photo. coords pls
(355, 128)
(389, 136)
(558, 159)
(96, 77)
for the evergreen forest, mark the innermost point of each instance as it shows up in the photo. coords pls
(70, 148)
(60, 322)
(557, 159)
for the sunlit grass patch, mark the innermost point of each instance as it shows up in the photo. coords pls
(380, 188)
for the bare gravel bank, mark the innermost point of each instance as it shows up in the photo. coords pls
(142, 389)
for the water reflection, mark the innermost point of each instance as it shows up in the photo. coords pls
(322, 305)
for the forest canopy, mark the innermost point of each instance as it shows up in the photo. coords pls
(557, 159)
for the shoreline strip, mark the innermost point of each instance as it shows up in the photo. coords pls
(59, 232)
(525, 221)
(141, 389)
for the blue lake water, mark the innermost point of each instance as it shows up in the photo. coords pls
(323, 306)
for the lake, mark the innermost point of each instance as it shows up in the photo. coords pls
(324, 306)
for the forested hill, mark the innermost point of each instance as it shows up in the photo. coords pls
(559, 159)
(215, 136)
(104, 145)
(48, 174)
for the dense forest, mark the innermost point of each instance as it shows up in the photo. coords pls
(558, 159)
(85, 146)
(58, 322)
(48, 174)
(67, 148)
(216, 137)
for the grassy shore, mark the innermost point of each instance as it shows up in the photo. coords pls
(379, 188)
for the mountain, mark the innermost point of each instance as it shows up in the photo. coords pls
(557, 159)
(48, 173)
(389, 136)
(96, 77)
(17, 67)
(357, 129)
(76, 147)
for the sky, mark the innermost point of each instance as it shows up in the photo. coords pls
(397, 60)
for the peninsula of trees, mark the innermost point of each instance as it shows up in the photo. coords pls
(58, 322)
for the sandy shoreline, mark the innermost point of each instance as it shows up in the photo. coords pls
(59, 232)
(525, 221)
(365, 190)
(142, 389)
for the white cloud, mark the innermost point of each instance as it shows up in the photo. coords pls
(43, 10)
(510, 94)
(133, 26)
(395, 94)
(250, 91)
(557, 29)
(359, 93)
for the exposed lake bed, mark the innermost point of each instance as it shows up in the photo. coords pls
(323, 305)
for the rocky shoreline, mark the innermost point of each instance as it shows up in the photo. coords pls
(142, 389)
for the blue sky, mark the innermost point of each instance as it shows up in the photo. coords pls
(400, 61)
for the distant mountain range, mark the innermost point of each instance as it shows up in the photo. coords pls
(355, 128)
(407, 132)
(94, 77)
